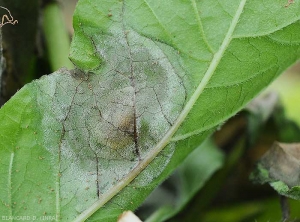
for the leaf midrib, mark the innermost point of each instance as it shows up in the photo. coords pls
(166, 139)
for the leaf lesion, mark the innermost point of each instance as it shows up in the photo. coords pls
(60, 159)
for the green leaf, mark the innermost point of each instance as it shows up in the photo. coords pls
(190, 177)
(154, 79)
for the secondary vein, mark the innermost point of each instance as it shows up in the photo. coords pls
(200, 26)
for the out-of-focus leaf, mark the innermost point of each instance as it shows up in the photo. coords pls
(280, 167)
(288, 131)
(260, 110)
(263, 105)
(197, 207)
(266, 107)
(191, 175)
(238, 212)
(288, 87)
(270, 210)
(255, 211)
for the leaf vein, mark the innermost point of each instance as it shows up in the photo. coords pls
(159, 22)
(200, 26)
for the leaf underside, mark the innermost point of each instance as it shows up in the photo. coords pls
(153, 80)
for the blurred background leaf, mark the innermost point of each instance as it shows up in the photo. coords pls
(190, 176)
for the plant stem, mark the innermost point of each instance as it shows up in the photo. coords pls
(57, 38)
(285, 208)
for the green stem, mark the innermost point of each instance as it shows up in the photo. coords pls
(57, 38)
